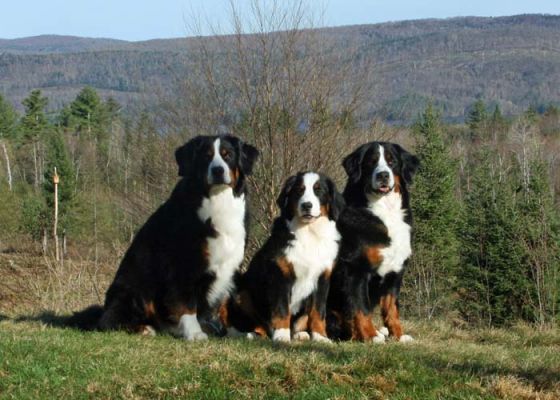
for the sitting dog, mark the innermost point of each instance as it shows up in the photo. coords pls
(376, 243)
(283, 293)
(180, 266)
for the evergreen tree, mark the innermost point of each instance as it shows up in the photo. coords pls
(87, 111)
(539, 233)
(497, 124)
(8, 119)
(531, 114)
(34, 123)
(492, 280)
(476, 119)
(436, 213)
(34, 127)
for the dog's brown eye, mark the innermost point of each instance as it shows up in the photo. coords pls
(226, 154)
(316, 186)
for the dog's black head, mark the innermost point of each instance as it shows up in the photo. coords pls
(380, 168)
(216, 160)
(308, 196)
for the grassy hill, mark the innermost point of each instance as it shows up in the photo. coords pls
(39, 358)
(38, 361)
(513, 61)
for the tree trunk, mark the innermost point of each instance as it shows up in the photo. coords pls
(8, 168)
(35, 164)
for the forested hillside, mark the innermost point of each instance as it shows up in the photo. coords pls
(486, 198)
(510, 61)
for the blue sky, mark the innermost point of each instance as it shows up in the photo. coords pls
(148, 19)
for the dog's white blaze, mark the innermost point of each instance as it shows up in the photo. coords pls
(309, 180)
(218, 161)
(311, 252)
(190, 329)
(227, 214)
(382, 166)
(389, 209)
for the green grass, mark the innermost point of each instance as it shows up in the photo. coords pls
(39, 361)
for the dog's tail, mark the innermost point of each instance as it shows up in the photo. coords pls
(87, 319)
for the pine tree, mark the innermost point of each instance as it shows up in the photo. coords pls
(33, 128)
(492, 280)
(539, 233)
(34, 123)
(476, 120)
(436, 213)
(8, 120)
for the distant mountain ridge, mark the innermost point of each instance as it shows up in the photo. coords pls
(512, 61)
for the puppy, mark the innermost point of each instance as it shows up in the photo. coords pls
(376, 242)
(284, 291)
(180, 266)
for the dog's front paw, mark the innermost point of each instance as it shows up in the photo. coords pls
(281, 335)
(384, 331)
(406, 339)
(379, 338)
(301, 336)
(148, 331)
(196, 336)
(317, 337)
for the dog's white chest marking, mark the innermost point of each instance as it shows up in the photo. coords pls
(311, 252)
(225, 251)
(388, 209)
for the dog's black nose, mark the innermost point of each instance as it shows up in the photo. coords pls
(382, 176)
(217, 172)
(307, 206)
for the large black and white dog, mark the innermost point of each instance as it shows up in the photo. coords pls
(376, 242)
(180, 266)
(284, 291)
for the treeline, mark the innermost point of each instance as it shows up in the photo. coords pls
(113, 171)
(487, 221)
(450, 62)
(487, 234)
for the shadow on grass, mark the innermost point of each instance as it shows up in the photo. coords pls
(84, 320)
(541, 378)
(48, 318)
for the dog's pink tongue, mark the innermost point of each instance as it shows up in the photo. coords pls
(384, 189)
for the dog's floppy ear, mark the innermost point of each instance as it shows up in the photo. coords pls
(353, 163)
(185, 155)
(409, 162)
(247, 156)
(282, 200)
(337, 201)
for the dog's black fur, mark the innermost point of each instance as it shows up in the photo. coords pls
(262, 302)
(356, 286)
(165, 272)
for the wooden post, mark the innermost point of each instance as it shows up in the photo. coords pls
(56, 180)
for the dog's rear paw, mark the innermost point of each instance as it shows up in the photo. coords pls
(406, 339)
(301, 336)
